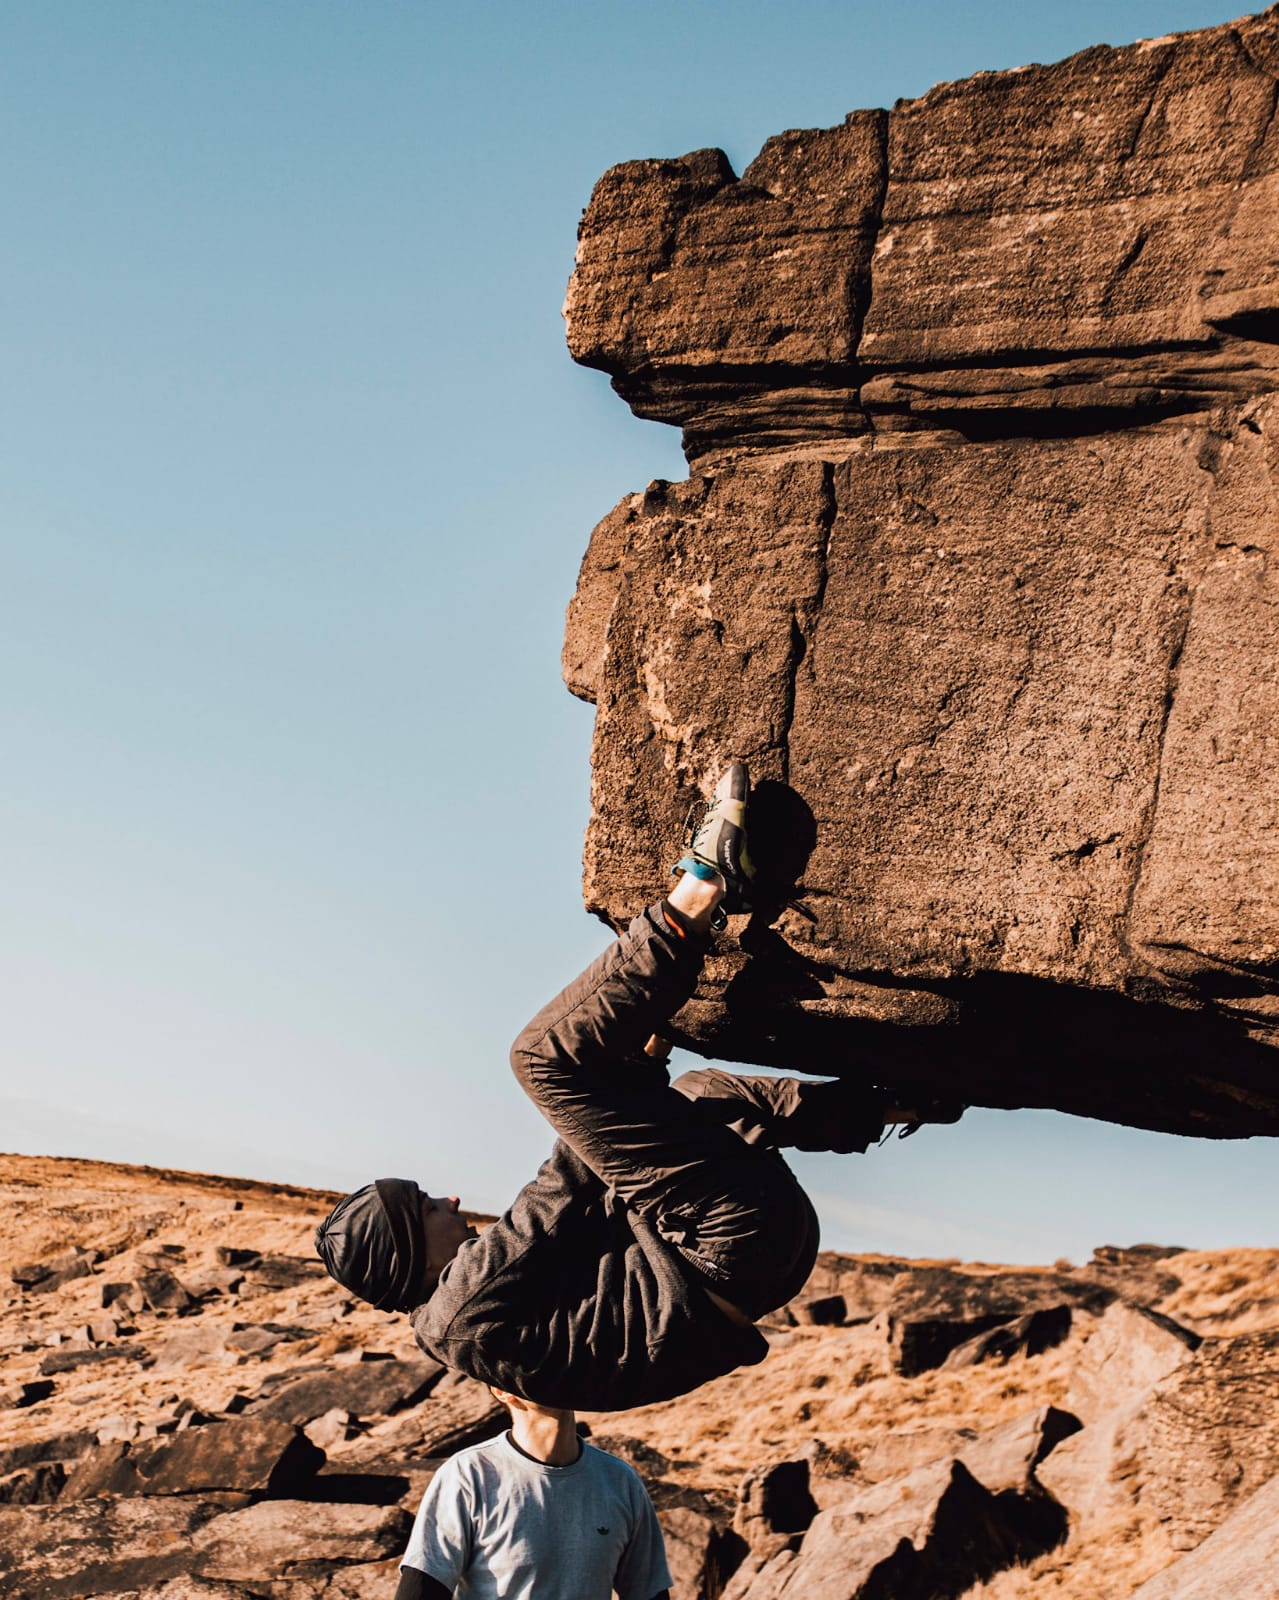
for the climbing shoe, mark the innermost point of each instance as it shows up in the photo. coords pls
(718, 843)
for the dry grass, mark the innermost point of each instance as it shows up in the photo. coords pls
(836, 1386)
(1114, 1560)
(833, 1385)
(1225, 1291)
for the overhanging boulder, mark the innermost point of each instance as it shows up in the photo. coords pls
(976, 568)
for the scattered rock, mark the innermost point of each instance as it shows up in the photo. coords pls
(230, 1257)
(98, 1547)
(106, 1470)
(699, 1551)
(33, 1486)
(1179, 1435)
(364, 1389)
(195, 1346)
(647, 1461)
(71, 1360)
(188, 1588)
(334, 1427)
(54, 1447)
(458, 1412)
(160, 1257)
(281, 1536)
(1007, 1457)
(1030, 1335)
(1134, 1271)
(1092, 1473)
(904, 1450)
(1208, 1437)
(26, 1394)
(774, 1505)
(458, 1420)
(936, 1531)
(118, 1427)
(362, 1580)
(248, 1341)
(248, 1455)
(821, 1311)
(281, 1272)
(918, 1345)
(124, 1296)
(923, 1291)
(103, 1329)
(43, 1277)
(1189, 1448)
(162, 1291)
(212, 1281)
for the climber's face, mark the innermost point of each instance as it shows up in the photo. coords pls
(445, 1230)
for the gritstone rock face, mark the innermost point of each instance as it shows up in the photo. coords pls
(974, 567)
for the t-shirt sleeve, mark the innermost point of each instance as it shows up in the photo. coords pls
(642, 1572)
(415, 1585)
(441, 1542)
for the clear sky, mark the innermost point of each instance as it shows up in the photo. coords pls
(295, 476)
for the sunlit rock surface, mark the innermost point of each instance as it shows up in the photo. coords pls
(975, 557)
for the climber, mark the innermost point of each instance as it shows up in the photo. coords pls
(664, 1224)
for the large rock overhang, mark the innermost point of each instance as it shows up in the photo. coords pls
(975, 565)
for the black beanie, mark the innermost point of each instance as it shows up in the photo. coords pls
(374, 1244)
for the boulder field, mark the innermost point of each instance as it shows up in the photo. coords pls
(191, 1410)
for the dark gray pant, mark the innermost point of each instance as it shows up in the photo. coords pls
(695, 1158)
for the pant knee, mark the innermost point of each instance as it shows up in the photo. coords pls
(524, 1063)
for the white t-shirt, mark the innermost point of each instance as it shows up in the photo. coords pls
(497, 1525)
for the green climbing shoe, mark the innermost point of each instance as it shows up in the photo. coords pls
(719, 840)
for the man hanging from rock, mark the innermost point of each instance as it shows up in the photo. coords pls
(665, 1223)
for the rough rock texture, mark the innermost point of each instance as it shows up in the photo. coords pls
(1023, 1336)
(372, 1388)
(1131, 1350)
(1239, 1559)
(774, 1504)
(277, 1536)
(936, 1531)
(1001, 1458)
(1210, 1435)
(1189, 1449)
(975, 564)
(699, 1552)
(241, 1454)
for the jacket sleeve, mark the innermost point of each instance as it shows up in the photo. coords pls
(789, 1113)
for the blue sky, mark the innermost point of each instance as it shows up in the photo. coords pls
(295, 476)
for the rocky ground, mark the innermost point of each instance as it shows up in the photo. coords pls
(188, 1407)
